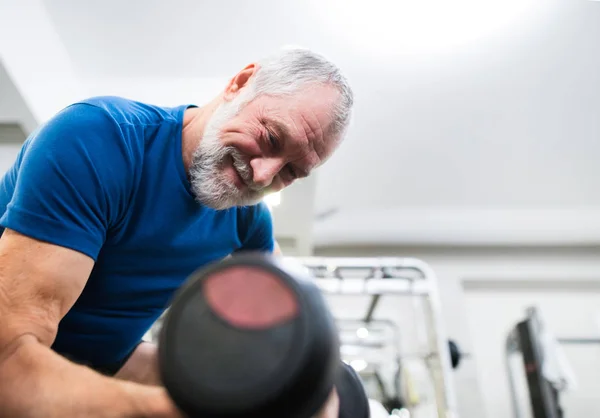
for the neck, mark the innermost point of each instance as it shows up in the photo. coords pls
(194, 122)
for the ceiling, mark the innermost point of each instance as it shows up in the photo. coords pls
(503, 115)
(180, 38)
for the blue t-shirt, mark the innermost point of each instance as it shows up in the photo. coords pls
(105, 177)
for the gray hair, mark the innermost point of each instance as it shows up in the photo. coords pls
(292, 68)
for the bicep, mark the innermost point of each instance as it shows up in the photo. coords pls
(39, 283)
(73, 181)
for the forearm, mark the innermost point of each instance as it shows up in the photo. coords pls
(142, 366)
(36, 382)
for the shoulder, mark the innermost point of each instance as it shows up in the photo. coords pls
(131, 112)
(83, 138)
(104, 121)
(77, 128)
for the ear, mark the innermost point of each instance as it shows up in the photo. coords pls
(238, 82)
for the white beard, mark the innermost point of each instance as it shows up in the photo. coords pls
(209, 183)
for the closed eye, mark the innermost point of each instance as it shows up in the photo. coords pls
(273, 141)
(292, 172)
(288, 174)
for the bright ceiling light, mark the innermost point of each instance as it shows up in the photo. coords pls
(359, 364)
(362, 333)
(273, 199)
(416, 26)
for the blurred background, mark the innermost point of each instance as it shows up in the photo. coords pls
(474, 148)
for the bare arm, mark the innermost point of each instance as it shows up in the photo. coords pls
(39, 282)
(142, 365)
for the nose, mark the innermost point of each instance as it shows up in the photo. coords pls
(265, 170)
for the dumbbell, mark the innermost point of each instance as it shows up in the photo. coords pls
(250, 336)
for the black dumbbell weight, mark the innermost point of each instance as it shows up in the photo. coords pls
(250, 336)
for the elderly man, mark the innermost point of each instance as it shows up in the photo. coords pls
(113, 203)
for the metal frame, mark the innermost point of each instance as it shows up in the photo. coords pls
(543, 396)
(344, 324)
(523, 339)
(394, 276)
(512, 347)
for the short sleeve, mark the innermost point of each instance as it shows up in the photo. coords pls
(255, 228)
(73, 180)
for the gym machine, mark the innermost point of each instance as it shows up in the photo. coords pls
(540, 352)
(380, 277)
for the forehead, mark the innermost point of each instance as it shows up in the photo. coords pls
(307, 115)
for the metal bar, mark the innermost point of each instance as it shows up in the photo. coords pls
(386, 322)
(543, 394)
(442, 371)
(361, 262)
(579, 341)
(372, 286)
(401, 268)
(512, 346)
(390, 325)
(363, 344)
(354, 324)
(440, 364)
(372, 306)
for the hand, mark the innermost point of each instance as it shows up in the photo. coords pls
(331, 409)
(142, 365)
(161, 405)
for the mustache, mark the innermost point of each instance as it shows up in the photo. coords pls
(210, 159)
(244, 170)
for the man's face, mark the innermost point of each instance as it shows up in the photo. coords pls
(262, 147)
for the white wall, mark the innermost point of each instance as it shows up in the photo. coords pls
(161, 91)
(454, 266)
(8, 153)
(36, 59)
(452, 226)
(569, 310)
(12, 110)
(507, 121)
(12, 106)
(293, 218)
